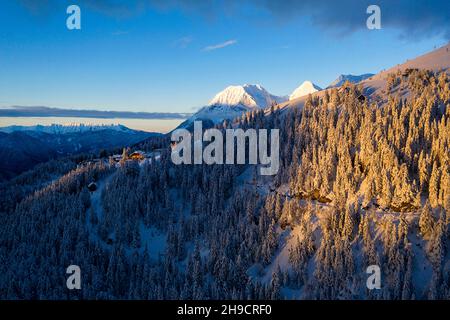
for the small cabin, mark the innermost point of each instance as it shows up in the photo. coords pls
(137, 155)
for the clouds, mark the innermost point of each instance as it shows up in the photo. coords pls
(220, 45)
(183, 42)
(412, 19)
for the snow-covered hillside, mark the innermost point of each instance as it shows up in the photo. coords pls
(375, 86)
(307, 87)
(357, 188)
(436, 60)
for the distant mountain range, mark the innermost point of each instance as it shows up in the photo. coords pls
(63, 129)
(350, 78)
(21, 148)
(20, 111)
(230, 103)
(233, 101)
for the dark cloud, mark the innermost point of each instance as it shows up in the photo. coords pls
(126, 8)
(39, 7)
(412, 18)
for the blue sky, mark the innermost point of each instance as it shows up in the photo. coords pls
(174, 58)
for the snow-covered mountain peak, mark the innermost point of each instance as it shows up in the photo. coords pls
(307, 87)
(247, 95)
(235, 100)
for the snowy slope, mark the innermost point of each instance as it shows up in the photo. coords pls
(307, 87)
(436, 60)
(350, 78)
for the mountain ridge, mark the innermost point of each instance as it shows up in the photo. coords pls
(350, 78)
(63, 129)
